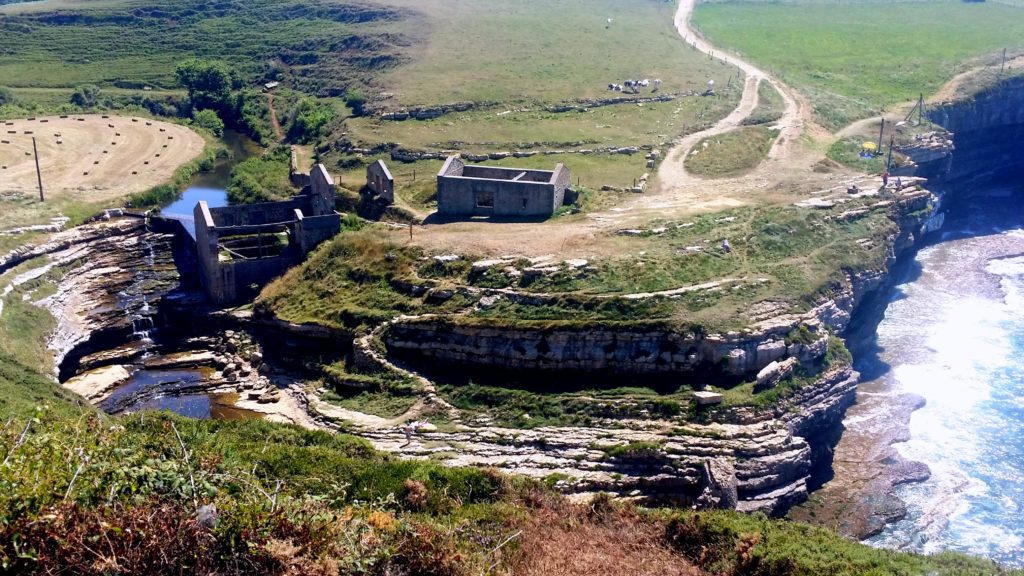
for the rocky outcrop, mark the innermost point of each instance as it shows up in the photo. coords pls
(761, 463)
(987, 129)
(597, 348)
(114, 275)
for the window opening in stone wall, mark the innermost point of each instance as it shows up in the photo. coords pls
(484, 199)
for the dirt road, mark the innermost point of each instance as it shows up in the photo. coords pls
(91, 158)
(674, 193)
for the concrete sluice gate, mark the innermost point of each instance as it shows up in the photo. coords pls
(242, 248)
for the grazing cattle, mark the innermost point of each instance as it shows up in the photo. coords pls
(644, 83)
(611, 86)
(618, 88)
(657, 82)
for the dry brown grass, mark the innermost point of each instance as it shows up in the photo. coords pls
(576, 541)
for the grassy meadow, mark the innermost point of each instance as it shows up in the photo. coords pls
(854, 59)
(521, 50)
(732, 153)
(321, 47)
(483, 130)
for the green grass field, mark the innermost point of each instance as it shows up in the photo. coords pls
(770, 106)
(320, 47)
(853, 59)
(486, 130)
(732, 153)
(520, 50)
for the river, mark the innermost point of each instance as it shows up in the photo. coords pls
(212, 186)
(952, 339)
(154, 388)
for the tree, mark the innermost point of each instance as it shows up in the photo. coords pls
(86, 96)
(6, 96)
(208, 84)
(209, 120)
(310, 119)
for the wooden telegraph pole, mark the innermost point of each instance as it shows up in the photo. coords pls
(1002, 66)
(888, 162)
(880, 132)
(39, 173)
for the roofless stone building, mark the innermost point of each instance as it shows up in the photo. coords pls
(465, 190)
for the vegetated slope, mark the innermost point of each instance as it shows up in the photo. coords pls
(852, 60)
(156, 494)
(324, 46)
(731, 153)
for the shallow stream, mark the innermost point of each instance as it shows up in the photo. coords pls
(159, 389)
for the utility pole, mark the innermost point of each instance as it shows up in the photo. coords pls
(888, 163)
(920, 110)
(1003, 65)
(880, 132)
(39, 173)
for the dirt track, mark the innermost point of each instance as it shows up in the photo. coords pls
(674, 192)
(93, 161)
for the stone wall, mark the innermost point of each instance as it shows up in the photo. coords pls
(322, 192)
(309, 219)
(380, 182)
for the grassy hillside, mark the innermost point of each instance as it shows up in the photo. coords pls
(150, 493)
(853, 59)
(321, 47)
(502, 51)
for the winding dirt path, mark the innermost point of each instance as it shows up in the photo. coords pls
(274, 122)
(672, 177)
(673, 193)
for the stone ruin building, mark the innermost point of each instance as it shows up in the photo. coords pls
(242, 248)
(379, 182)
(465, 190)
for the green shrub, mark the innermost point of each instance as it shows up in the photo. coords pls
(209, 120)
(86, 96)
(262, 179)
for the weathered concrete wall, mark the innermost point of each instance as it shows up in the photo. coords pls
(380, 181)
(244, 278)
(257, 214)
(311, 231)
(562, 180)
(296, 175)
(309, 219)
(500, 173)
(322, 192)
(207, 241)
(464, 190)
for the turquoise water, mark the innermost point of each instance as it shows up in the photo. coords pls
(954, 335)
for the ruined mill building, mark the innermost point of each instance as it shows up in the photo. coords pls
(242, 248)
(469, 190)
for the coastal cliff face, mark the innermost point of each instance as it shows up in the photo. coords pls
(988, 129)
(753, 458)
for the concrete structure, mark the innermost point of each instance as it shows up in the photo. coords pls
(380, 182)
(469, 190)
(242, 248)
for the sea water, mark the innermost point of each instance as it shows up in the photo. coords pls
(954, 335)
